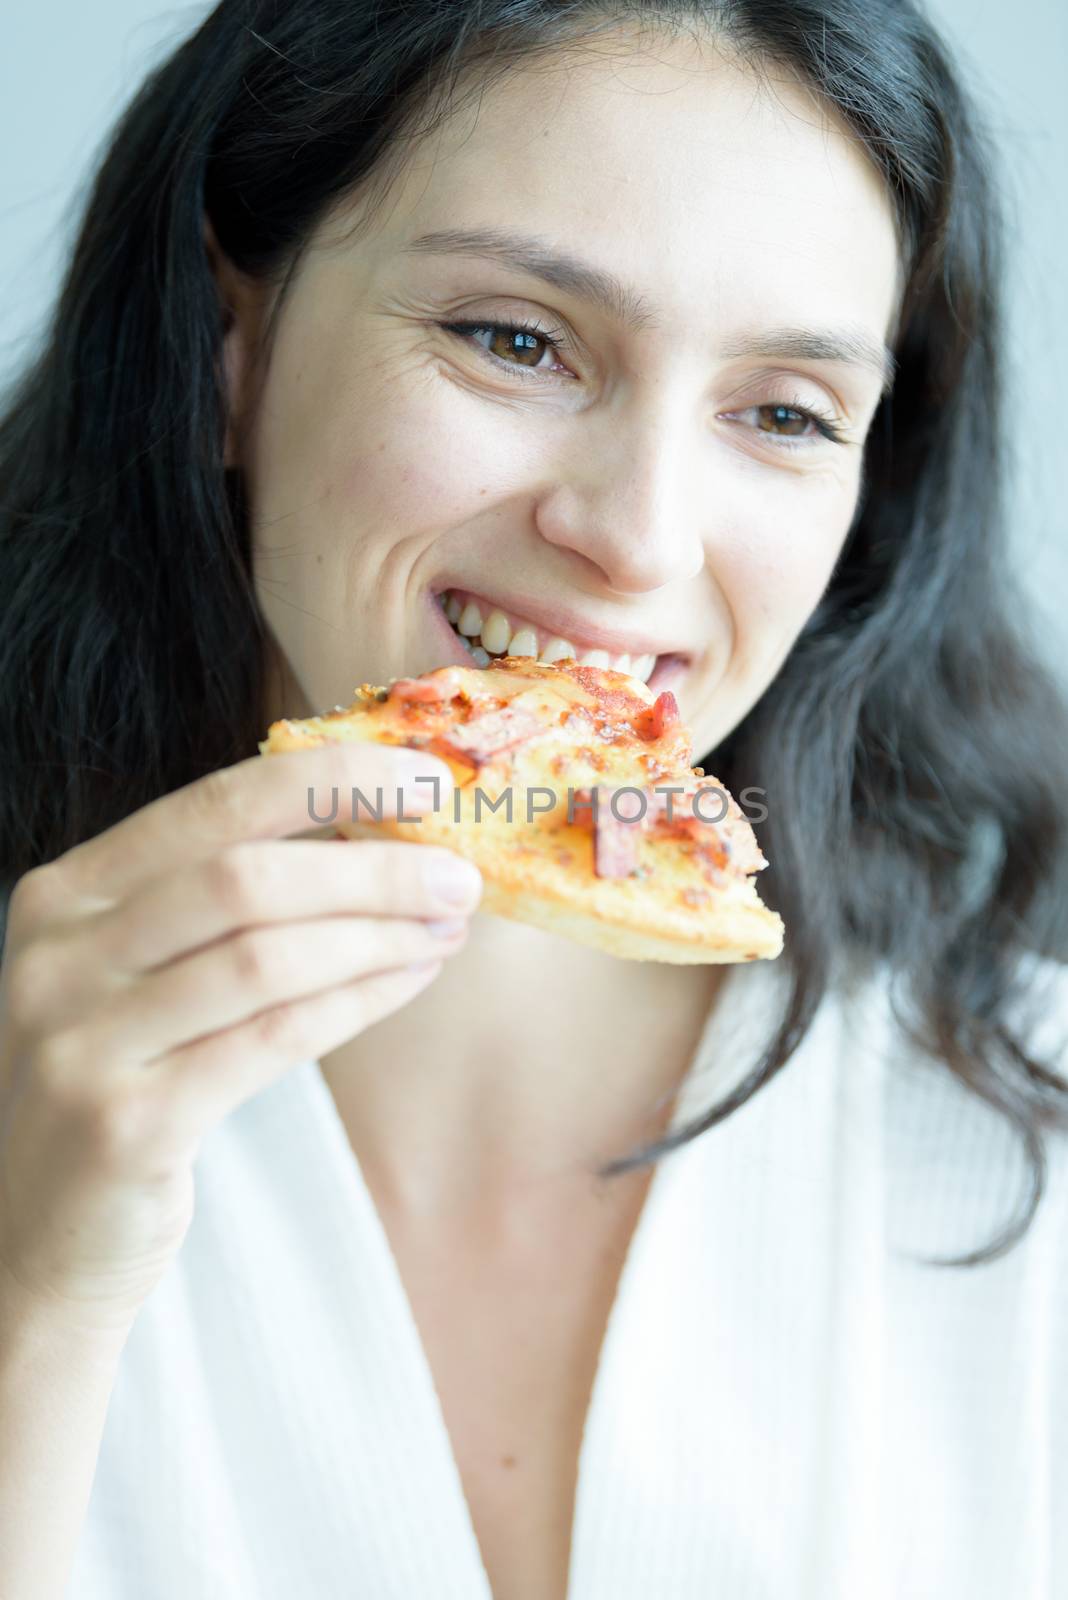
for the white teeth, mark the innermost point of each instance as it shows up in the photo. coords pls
(470, 619)
(496, 632)
(497, 638)
(524, 642)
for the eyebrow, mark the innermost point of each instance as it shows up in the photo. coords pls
(519, 252)
(848, 345)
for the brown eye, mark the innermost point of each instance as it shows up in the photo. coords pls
(508, 343)
(796, 426)
(783, 420)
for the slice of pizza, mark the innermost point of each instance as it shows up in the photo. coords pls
(575, 797)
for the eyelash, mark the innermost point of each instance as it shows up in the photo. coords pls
(823, 424)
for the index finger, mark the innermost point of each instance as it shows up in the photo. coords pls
(263, 797)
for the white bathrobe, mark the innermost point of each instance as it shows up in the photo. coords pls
(788, 1406)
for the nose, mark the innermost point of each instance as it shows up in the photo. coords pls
(630, 506)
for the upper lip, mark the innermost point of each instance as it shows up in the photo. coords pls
(565, 624)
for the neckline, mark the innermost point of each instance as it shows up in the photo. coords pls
(411, 1381)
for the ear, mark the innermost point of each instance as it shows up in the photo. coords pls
(242, 304)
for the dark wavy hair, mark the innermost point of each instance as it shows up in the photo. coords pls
(920, 744)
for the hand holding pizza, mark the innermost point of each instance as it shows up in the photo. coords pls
(159, 975)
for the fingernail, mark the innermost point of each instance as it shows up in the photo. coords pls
(456, 880)
(448, 928)
(420, 795)
(424, 782)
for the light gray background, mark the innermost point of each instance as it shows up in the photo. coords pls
(69, 67)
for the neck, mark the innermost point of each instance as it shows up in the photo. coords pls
(528, 1063)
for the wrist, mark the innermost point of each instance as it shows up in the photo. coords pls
(40, 1327)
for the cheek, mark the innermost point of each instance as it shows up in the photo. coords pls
(774, 560)
(354, 439)
(436, 458)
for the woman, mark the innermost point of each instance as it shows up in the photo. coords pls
(670, 332)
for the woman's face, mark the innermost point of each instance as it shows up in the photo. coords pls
(717, 263)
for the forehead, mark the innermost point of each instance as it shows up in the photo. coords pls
(692, 176)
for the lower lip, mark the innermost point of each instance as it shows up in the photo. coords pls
(669, 669)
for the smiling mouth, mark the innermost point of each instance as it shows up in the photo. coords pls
(489, 632)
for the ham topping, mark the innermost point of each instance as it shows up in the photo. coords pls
(655, 720)
(616, 837)
(615, 845)
(442, 685)
(486, 736)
